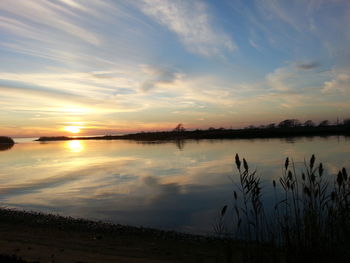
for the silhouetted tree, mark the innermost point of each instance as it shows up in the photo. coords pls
(271, 126)
(346, 122)
(251, 127)
(324, 123)
(179, 128)
(289, 123)
(309, 123)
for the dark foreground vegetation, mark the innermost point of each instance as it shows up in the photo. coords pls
(286, 128)
(309, 220)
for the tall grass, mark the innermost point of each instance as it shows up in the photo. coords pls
(310, 219)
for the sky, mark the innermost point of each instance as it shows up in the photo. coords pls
(114, 66)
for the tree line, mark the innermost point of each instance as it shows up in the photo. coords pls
(288, 123)
(293, 123)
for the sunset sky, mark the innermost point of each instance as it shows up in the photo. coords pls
(113, 66)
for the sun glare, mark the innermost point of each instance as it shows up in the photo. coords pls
(74, 146)
(72, 129)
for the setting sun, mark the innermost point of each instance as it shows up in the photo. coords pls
(72, 129)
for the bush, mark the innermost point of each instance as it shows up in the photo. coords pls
(6, 140)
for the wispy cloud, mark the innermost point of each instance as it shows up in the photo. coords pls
(51, 15)
(148, 64)
(296, 77)
(190, 20)
(307, 65)
(339, 83)
(50, 100)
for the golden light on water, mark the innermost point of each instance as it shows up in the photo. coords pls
(72, 129)
(75, 146)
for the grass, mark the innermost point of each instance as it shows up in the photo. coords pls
(310, 221)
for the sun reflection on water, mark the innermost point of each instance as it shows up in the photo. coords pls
(75, 146)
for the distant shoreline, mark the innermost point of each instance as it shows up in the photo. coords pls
(216, 134)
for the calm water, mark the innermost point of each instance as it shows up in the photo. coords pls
(179, 186)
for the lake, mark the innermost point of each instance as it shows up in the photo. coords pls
(172, 185)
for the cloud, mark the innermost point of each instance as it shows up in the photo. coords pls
(72, 3)
(285, 12)
(19, 96)
(307, 65)
(296, 77)
(191, 22)
(110, 62)
(14, 88)
(77, 34)
(340, 83)
(51, 15)
(158, 76)
(277, 80)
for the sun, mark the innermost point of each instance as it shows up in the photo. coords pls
(72, 129)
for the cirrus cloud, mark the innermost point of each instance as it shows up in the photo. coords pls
(191, 22)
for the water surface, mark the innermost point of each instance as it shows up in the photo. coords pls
(173, 185)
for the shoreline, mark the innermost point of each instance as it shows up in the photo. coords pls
(40, 219)
(39, 237)
(215, 134)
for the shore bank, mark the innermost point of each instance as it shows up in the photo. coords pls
(37, 237)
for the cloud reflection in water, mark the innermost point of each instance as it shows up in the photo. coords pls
(154, 185)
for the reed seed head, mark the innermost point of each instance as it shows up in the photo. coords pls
(320, 169)
(340, 178)
(223, 210)
(286, 163)
(312, 161)
(238, 162)
(245, 164)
